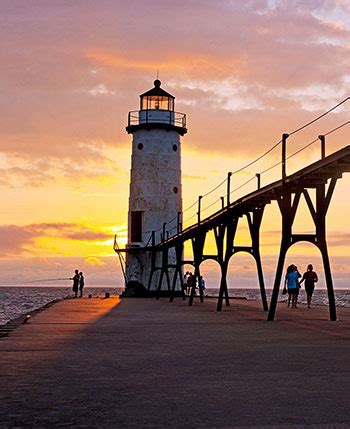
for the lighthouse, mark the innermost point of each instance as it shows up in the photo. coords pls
(155, 199)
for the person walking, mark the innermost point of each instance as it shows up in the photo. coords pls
(75, 279)
(190, 281)
(291, 282)
(310, 278)
(298, 284)
(81, 284)
(185, 285)
(201, 286)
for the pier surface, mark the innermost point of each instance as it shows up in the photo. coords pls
(105, 363)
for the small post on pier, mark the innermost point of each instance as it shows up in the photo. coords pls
(229, 174)
(258, 176)
(199, 209)
(222, 202)
(153, 238)
(163, 233)
(284, 154)
(179, 223)
(323, 146)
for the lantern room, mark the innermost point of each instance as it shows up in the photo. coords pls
(157, 99)
(157, 111)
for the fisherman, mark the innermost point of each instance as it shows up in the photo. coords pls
(75, 283)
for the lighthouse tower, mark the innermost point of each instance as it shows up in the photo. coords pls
(155, 200)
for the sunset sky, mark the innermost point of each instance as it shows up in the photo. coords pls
(244, 72)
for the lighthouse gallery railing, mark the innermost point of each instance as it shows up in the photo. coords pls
(138, 117)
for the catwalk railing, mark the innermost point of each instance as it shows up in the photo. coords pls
(175, 224)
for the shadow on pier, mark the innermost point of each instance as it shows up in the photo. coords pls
(145, 363)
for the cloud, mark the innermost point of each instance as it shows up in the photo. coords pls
(20, 271)
(93, 261)
(85, 162)
(14, 239)
(18, 240)
(339, 239)
(238, 69)
(84, 234)
(100, 89)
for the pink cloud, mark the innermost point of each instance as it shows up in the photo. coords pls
(55, 54)
(13, 239)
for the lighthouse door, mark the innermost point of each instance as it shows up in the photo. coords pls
(136, 226)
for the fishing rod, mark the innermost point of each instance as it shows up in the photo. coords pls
(50, 280)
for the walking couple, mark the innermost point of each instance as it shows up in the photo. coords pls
(292, 284)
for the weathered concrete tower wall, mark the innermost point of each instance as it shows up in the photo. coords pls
(155, 186)
(155, 190)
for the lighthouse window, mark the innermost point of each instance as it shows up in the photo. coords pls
(136, 226)
(157, 102)
(140, 146)
(175, 190)
(174, 147)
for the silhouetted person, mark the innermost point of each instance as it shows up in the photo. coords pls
(310, 278)
(185, 286)
(298, 283)
(81, 283)
(291, 281)
(190, 281)
(75, 283)
(201, 286)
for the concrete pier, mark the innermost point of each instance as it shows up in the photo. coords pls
(106, 363)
